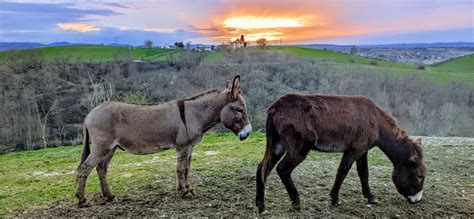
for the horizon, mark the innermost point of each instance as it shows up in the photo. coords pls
(342, 22)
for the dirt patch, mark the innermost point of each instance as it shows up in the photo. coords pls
(449, 191)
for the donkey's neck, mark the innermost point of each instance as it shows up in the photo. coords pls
(397, 147)
(206, 111)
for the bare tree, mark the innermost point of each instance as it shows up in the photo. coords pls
(62, 132)
(416, 112)
(102, 92)
(43, 120)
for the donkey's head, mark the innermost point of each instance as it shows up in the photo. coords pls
(234, 114)
(409, 175)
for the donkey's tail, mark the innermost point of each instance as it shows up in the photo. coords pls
(272, 140)
(86, 150)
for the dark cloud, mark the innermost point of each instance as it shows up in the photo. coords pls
(113, 4)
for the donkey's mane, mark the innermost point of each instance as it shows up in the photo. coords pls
(180, 103)
(202, 94)
(400, 134)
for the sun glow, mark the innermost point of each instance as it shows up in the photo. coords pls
(78, 27)
(253, 22)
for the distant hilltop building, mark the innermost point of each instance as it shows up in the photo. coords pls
(239, 43)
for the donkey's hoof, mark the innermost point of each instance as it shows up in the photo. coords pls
(296, 206)
(373, 200)
(335, 203)
(109, 198)
(186, 193)
(83, 204)
(261, 207)
(191, 190)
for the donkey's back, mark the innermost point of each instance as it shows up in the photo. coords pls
(332, 122)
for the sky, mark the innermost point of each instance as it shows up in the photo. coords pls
(220, 21)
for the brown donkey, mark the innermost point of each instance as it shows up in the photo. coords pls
(352, 125)
(146, 129)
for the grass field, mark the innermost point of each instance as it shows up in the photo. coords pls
(107, 53)
(461, 64)
(337, 56)
(459, 69)
(96, 53)
(41, 183)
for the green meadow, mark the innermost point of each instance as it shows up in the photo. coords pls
(42, 183)
(458, 69)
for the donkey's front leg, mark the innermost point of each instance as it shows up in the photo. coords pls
(183, 156)
(363, 171)
(186, 174)
(347, 160)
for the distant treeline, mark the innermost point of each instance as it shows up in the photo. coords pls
(44, 103)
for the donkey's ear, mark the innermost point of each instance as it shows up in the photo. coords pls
(228, 84)
(418, 141)
(235, 91)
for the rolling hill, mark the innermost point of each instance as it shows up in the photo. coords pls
(93, 53)
(337, 56)
(460, 64)
(459, 69)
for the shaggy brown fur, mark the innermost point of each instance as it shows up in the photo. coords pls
(145, 129)
(352, 125)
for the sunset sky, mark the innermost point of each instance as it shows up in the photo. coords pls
(206, 21)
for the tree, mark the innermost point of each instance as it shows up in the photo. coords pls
(188, 44)
(148, 44)
(262, 43)
(44, 121)
(353, 50)
(179, 45)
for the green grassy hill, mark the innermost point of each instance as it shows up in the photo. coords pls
(459, 69)
(96, 53)
(460, 64)
(337, 56)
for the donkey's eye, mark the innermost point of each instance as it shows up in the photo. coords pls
(236, 108)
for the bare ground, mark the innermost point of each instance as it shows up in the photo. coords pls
(449, 191)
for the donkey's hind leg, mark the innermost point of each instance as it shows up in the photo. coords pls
(295, 154)
(102, 169)
(85, 169)
(263, 170)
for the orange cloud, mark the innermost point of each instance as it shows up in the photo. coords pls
(254, 22)
(312, 20)
(78, 27)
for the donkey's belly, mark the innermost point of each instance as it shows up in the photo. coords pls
(142, 148)
(328, 147)
(148, 150)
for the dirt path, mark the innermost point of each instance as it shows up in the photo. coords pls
(449, 190)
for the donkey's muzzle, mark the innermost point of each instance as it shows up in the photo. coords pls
(245, 132)
(413, 199)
